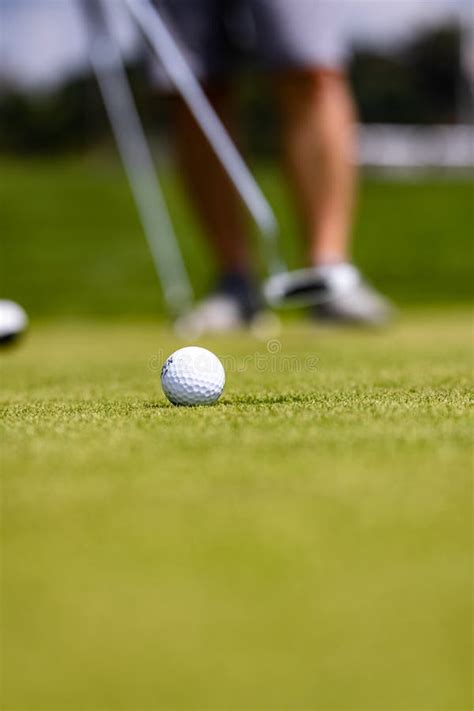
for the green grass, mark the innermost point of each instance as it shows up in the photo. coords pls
(304, 544)
(72, 243)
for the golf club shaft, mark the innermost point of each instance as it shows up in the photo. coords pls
(107, 62)
(165, 47)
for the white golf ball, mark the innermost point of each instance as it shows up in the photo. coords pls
(193, 376)
(13, 321)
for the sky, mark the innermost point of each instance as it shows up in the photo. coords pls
(43, 42)
(386, 20)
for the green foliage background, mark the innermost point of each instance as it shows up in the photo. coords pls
(417, 83)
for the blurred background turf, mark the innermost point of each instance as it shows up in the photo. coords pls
(73, 246)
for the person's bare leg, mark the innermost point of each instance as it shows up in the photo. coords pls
(319, 141)
(209, 187)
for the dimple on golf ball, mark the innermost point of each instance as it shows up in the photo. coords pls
(193, 376)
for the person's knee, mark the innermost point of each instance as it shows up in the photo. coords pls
(311, 87)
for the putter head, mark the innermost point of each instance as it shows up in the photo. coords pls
(306, 287)
(293, 289)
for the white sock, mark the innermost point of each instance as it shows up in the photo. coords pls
(340, 276)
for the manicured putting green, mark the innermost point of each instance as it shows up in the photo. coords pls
(304, 544)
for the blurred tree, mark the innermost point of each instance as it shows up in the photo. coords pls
(52, 122)
(436, 65)
(417, 84)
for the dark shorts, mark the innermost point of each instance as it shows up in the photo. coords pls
(216, 35)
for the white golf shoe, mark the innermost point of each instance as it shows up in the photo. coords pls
(234, 304)
(336, 293)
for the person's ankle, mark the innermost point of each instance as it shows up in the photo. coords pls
(235, 280)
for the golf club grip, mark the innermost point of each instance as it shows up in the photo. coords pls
(168, 52)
